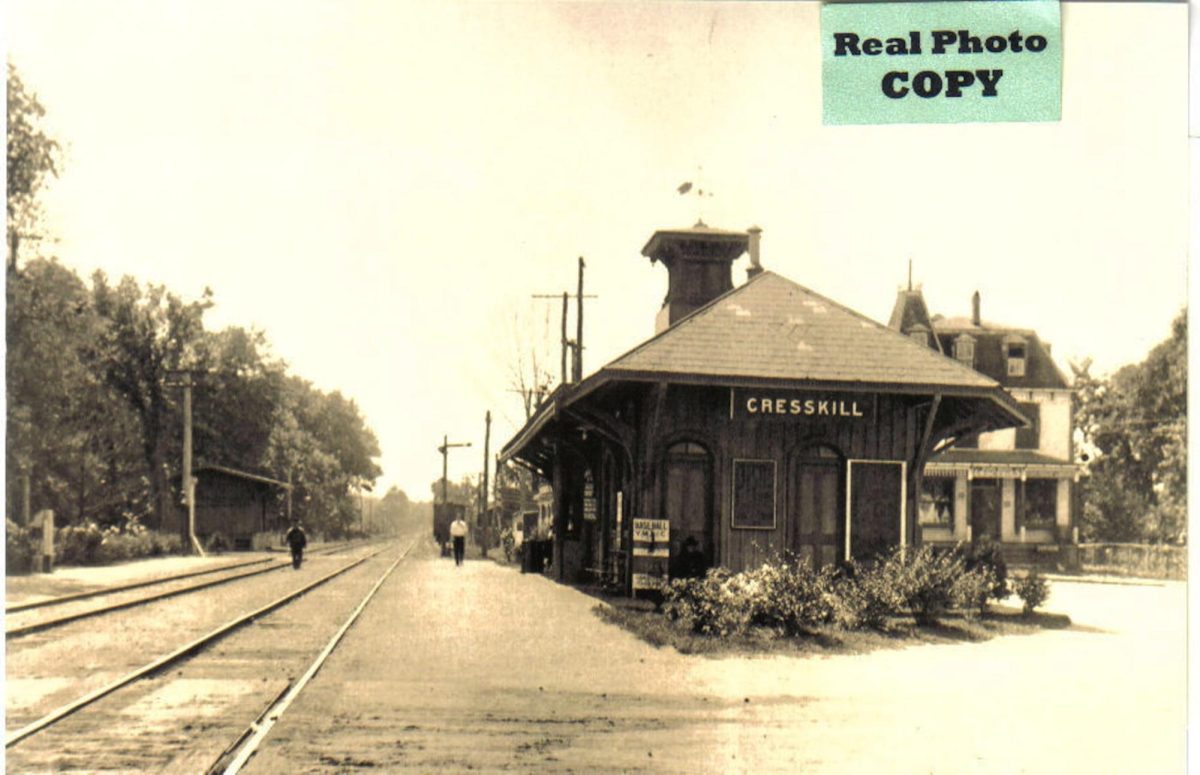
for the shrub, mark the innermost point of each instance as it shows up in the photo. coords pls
(790, 597)
(986, 553)
(925, 577)
(971, 590)
(20, 548)
(712, 605)
(77, 544)
(1033, 591)
(864, 598)
(88, 544)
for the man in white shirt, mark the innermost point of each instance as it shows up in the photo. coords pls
(458, 533)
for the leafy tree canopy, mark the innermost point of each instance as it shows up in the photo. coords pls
(1131, 430)
(32, 155)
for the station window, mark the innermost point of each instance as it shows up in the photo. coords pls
(937, 501)
(964, 349)
(1039, 502)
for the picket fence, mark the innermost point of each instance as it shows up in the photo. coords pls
(1155, 561)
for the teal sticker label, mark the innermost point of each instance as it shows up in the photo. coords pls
(941, 62)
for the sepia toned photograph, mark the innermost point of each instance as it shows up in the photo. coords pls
(596, 386)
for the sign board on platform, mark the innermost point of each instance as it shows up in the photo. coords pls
(651, 530)
(651, 553)
(649, 581)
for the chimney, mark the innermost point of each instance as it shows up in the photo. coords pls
(755, 267)
(699, 265)
(975, 319)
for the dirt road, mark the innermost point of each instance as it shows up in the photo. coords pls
(482, 668)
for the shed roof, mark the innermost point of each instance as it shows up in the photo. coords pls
(239, 475)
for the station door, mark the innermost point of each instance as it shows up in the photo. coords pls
(815, 508)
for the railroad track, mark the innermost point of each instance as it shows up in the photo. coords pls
(242, 749)
(30, 624)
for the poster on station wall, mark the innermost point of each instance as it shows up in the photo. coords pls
(589, 498)
(651, 553)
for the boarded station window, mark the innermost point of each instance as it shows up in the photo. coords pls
(876, 507)
(754, 494)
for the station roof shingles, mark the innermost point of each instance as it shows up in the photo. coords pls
(773, 328)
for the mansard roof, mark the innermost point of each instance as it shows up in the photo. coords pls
(991, 358)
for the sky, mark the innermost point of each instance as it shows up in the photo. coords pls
(382, 187)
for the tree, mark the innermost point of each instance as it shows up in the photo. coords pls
(67, 431)
(465, 491)
(324, 442)
(396, 513)
(528, 375)
(1132, 434)
(32, 155)
(146, 335)
(234, 404)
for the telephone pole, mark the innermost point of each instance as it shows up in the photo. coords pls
(445, 450)
(184, 378)
(576, 345)
(485, 526)
(579, 326)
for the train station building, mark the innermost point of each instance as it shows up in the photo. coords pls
(758, 420)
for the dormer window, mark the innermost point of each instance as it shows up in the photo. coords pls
(964, 349)
(919, 334)
(1016, 350)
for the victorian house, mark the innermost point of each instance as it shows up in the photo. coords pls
(1018, 485)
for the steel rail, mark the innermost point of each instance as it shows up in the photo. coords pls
(18, 607)
(49, 624)
(254, 735)
(178, 654)
(21, 631)
(51, 601)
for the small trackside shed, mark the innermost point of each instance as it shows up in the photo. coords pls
(235, 504)
(758, 420)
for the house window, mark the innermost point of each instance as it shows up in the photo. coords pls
(964, 349)
(1028, 438)
(754, 494)
(1039, 503)
(937, 501)
(1016, 359)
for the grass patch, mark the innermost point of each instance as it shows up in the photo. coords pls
(900, 632)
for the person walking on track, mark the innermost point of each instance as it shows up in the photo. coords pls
(458, 532)
(297, 541)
